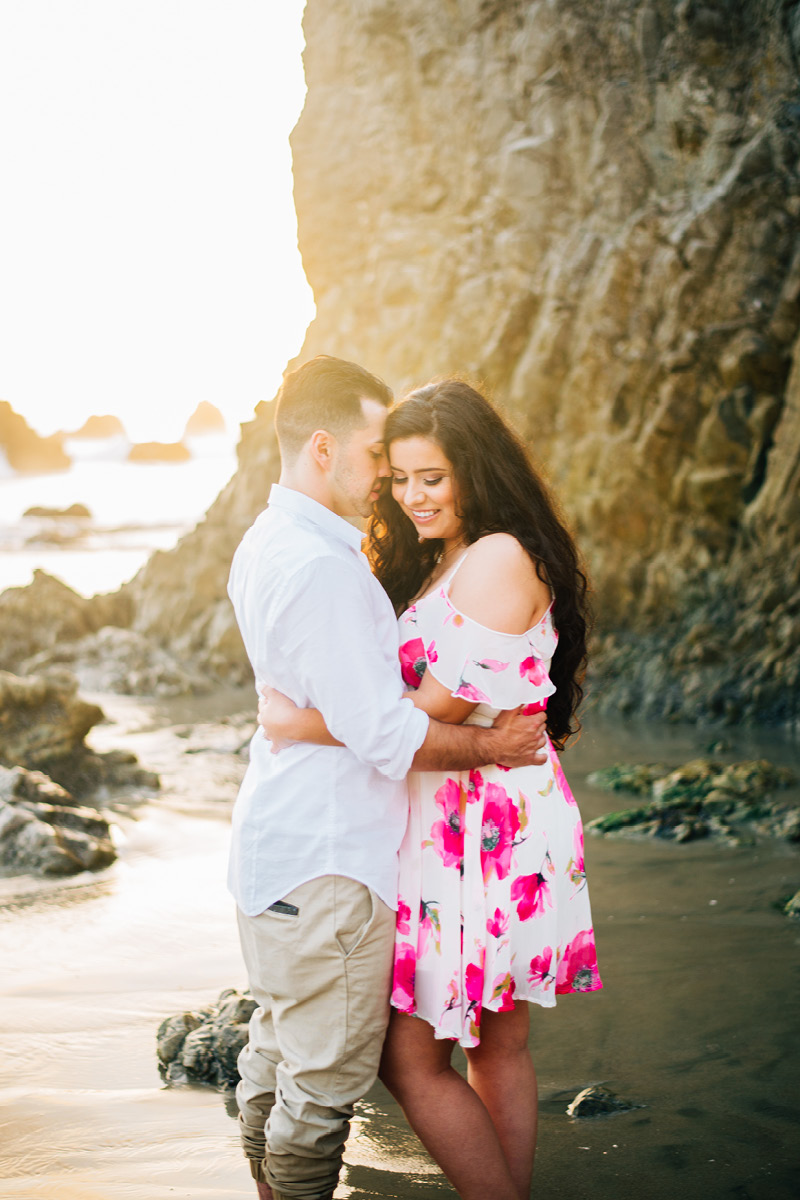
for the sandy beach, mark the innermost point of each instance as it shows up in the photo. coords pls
(697, 1022)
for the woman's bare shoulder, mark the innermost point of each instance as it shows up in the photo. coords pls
(498, 586)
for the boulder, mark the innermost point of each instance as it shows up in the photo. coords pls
(42, 719)
(123, 661)
(43, 724)
(46, 614)
(203, 1046)
(43, 830)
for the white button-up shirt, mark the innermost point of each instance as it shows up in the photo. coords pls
(318, 626)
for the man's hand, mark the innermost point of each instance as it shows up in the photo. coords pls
(520, 739)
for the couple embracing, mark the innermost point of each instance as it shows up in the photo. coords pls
(404, 831)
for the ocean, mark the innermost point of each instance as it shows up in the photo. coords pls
(135, 508)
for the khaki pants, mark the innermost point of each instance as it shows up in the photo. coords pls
(321, 980)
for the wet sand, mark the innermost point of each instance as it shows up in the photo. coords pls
(697, 1021)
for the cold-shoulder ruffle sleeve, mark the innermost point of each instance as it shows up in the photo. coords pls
(475, 663)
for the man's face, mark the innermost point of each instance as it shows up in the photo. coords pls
(360, 465)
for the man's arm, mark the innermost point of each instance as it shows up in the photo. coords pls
(514, 740)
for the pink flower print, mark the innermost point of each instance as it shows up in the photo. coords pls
(533, 894)
(405, 967)
(473, 986)
(561, 779)
(539, 970)
(448, 835)
(577, 866)
(473, 981)
(577, 971)
(474, 785)
(492, 664)
(413, 662)
(452, 993)
(503, 989)
(500, 827)
(403, 916)
(533, 670)
(468, 691)
(431, 654)
(539, 706)
(498, 924)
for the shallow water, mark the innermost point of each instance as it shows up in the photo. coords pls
(136, 508)
(697, 1021)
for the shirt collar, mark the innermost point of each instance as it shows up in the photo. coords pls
(330, 522)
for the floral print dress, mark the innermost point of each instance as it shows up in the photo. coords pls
(493, 902)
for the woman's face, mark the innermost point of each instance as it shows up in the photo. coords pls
(424, 487)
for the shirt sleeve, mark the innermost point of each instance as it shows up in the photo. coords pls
(331, 645)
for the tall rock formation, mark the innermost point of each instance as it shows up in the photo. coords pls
(592, 206)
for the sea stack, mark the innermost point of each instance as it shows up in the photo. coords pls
(100, 427)
(174, 452)
(205, 419)
(24, 449)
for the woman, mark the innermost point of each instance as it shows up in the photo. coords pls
(493, 906)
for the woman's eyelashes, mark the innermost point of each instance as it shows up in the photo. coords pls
(402, 480)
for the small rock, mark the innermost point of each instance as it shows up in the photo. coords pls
(598, 1101)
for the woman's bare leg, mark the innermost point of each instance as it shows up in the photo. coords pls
(448, 1117)
(501, 1071)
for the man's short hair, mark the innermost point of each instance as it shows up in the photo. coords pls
(325, 393)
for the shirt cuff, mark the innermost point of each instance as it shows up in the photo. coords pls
(400, 765)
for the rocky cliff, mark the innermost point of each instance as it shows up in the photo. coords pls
(593, 207)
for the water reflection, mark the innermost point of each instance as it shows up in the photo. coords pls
(697, 1020)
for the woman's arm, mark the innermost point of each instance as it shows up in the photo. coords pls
(497, 586)
(284, 723)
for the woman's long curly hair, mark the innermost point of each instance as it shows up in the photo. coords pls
(497, 491)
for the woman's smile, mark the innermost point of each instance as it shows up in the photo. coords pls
(422, 485)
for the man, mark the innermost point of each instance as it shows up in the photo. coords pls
(316, 829)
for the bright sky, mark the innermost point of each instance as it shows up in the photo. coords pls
(148, 255)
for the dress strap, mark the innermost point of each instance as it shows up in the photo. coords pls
(448, 579)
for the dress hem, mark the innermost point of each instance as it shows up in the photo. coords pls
(469, 1044)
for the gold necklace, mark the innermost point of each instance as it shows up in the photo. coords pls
(444, 554)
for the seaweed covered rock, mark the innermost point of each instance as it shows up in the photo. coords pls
(203, 1046)
(44, 831)
(703, 798)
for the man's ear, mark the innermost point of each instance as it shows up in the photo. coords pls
(322, 448)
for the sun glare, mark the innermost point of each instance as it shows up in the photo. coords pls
(148, 255)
